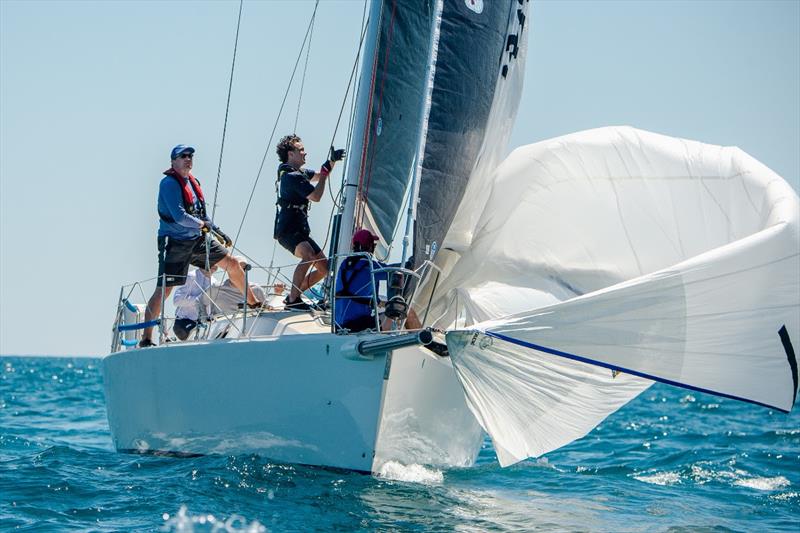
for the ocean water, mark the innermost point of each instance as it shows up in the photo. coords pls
(668, 461)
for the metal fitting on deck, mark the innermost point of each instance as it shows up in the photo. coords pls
(386, 343)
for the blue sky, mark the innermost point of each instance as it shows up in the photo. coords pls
(94, 94)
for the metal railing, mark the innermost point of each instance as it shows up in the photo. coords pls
(128, 325)
(129, 317)
(405, 289)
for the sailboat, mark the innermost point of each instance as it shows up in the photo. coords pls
(564, 279)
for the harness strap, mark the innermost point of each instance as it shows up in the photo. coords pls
(284, 168)
(286, 205)
(280, 203)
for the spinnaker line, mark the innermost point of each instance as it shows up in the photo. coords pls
(789, 349)
(588, 360)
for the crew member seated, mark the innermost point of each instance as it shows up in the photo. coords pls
(355, 310)
(190, 305)
(355, 287)
(226, 298)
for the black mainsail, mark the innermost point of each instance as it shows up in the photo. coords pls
(477, 44)
(437, 96)
(396, 73)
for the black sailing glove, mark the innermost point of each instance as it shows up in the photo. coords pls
(222, 237)
(336, 155)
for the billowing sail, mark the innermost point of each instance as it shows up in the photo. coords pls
(656, 257)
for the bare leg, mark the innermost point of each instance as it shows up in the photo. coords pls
(320, 271)
(153, 310)
(235, 272)
(299, 280)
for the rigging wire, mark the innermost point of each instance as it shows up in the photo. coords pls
(227, 109)
(275, 126)
(307, 39)
(336, 205)
(224, 130)
(303, 79)
(364, 24)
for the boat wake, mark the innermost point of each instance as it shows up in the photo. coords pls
(699, 474)
(413, 473)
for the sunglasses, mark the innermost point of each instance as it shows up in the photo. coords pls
(186, 156)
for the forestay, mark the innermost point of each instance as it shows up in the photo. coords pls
(658, 257)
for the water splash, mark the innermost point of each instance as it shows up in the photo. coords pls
(661, 478)
(411, 473)
(763, 483)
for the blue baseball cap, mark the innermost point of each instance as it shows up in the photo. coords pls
(181, 149)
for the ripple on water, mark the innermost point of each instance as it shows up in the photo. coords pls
(186, 522)
(708, 463)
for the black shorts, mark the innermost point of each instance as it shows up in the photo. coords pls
(175, 256)
(183, 327)
(291, 240)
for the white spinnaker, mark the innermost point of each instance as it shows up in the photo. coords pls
(531, 402)
(706, 236)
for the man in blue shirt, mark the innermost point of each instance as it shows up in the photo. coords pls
(355, 288)
(295, 191)
(182, 236)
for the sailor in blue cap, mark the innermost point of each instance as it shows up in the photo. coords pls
(182, 235)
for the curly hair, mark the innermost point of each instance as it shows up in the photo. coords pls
(285, 145)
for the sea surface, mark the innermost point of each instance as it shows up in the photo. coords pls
(669, 461)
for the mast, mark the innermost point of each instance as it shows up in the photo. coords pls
(356, 161)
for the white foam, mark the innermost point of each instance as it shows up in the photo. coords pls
(763, 483)
(413, 473)
(786, 496)
(187, 523)
(661, 478)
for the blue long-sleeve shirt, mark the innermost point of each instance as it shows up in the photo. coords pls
(170, 201)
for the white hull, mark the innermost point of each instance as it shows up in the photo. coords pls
(298, 397)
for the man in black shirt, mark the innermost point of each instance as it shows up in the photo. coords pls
(292, 231)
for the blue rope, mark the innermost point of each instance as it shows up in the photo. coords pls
(140, 325)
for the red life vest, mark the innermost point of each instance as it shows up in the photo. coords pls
(188, 203)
